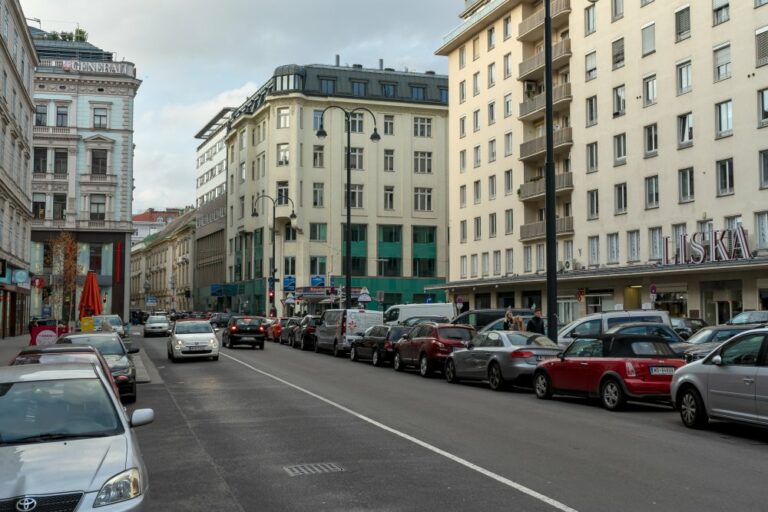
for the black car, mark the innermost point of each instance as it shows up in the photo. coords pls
(220, 320)
(116, 352)
(304, 336)
(709, 338)
(479, 318)
(377, 343)
(410, 322)
(676, 343)
(289, 329)
(245, 330)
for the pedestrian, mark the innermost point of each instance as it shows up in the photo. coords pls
(519, 323)
(509, 320)
(536, 323)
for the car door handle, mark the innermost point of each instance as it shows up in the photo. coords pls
(749, 380)
(583, 364)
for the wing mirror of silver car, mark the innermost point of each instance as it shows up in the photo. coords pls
(717, 360)
(470, 346)
(142, 417)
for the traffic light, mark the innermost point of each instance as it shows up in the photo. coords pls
(271, 294)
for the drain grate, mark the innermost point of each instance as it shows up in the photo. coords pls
(313, 469)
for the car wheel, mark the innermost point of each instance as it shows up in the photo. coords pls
(215, 358)
(450, 372)
(495, 379)
(353, 353)
(336, 352)
(261, 346)
(612, 395)
(397, 363)
(425, 368)
(692, 410)
(542, 386)
(376, 358)
(303, 343)
(316, 347)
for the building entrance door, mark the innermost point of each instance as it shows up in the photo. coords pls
(724, 311)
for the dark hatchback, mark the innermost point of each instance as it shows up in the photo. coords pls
(663, 331)
(709, 338)
(245, 330)
(219, 320)
(304, 335)
(378, 343)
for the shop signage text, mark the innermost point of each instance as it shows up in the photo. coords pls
(708, 247)
(114, 68)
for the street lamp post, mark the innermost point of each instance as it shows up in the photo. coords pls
(375, 137)
(255, 213)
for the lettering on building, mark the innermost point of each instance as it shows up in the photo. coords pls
(708, 247)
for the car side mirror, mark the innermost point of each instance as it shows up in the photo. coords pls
(142, 417)
(217, 330)
(470, 346)
(717, 360)
(561, 356)
(133, 350)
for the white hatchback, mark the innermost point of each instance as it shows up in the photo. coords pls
(191, 340)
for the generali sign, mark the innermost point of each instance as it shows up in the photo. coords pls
(112, 68)
(708, 247)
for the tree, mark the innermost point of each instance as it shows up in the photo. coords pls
(63, 265)
(67, 36)
(81, 35)
(54, 36)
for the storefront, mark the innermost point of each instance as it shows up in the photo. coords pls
(14, 301)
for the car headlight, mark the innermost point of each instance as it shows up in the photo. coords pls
(125, 486)
(179, 342)
(212, 342)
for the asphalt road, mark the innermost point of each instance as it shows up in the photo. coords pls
(226, 431)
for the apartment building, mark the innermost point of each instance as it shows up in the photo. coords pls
(399, 185)
(17, 61)
(650, 212)
(151, 221)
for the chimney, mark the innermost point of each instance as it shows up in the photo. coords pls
(381, 64)
(338, 60)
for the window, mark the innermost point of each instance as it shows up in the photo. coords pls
(613, 247)
(652, 192)
(508, 146)
(591, 110)
(491, 74)
(476, 120)
(725, 177)
(509, 261)
(683, 24)
(761, 44)
(720, 12)
(508, 184)
(389, 125)
(507, 65)
(685, 130)
(418, 93)
(496, 263)
(60, 159)
(59, 205)
(722, 56)
(356, 122)
(527, 258)
(654, 243)
(462, 91)
(463, 267)
(492, 112)
(684, 77)
(617, 53)
(724, 118)
(492, 225)
(678, 230)
(463, 231)
(327, 85)
(41, 115)
(355, 159)
(389, 160)
(388, 90)
(317, 119)
(282, 193)
(620, 201)
(762, 100)
(476, 84)
(649, 39)
(100, 118)
(318, 265)
(318, 195)
(593, 205)
(98, 161)
(685, 182)
(282, 154)
(473, 264)
(491, 34)
(590, 65)
(491, 187)
(241, 209)
(422, 201)
(358, 88)
(389, 198)
(633, 245)
(509, 222)
(476, 48)
(589, 20)
(617, 9)
(462, 57)
(422, 162)
(422, 127)
(507, 105)
(356, 193)
(463, 126)
(477, 195)
(492, 150)
(283, 118)
(477, 156)
(38, 206)
(761, 226)
(507, 23)
(592, 157)
(649, 90)
(462, 160)
(478, 228)
(651, 139)
(98, 206)
(40, 162)
(318, 156)
(318, 231)
(620, 149)
(764, 169)
(619, 101)
(594, 250)
(540, 257)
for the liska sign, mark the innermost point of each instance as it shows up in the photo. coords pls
(708, 247)
(112, 68)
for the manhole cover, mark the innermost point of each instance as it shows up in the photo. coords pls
(313, 469)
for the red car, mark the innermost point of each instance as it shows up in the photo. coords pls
(428, 345)
(614, 368)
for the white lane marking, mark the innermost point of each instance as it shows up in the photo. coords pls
(490, 474)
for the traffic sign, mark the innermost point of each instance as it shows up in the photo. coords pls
(459, 300)
(652, 289)
(364, 296)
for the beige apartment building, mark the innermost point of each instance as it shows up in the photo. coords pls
(651, 212)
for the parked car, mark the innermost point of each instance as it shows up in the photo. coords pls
(219, 320)
(663, 331)
(415, 320)
(427, 346)
(157, 325)
(275, 329)
(58, 354)
(192, 339)
(115, 322)
(500, 357)
(749, 317)
(377, 344)
(67, 443)
(709, 338)
(401, 312)
(304, 336)
(116, 352)
(686, 327)
(338, 328)
(288, 329)
(245, 330)
(729, 384)
(479, 318)
(613, 367)
(599, 323)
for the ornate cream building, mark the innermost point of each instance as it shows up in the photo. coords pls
(661, 143)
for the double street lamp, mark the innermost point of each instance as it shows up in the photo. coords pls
(282, 199)
(375, 137)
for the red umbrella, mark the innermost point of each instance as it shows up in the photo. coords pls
(90, 299)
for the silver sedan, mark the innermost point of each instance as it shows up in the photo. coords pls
(500, 357)
(193, 339)
(157, 325)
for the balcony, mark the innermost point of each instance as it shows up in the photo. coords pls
(533, 68)
(103, 225)
(47, 176)
(52, 224)
(536, 148)
(99, 179)
(533, 109)
(536, 189)
(532, 27)
(536, 230)
(55, 131)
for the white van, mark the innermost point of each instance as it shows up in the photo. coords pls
(401, 312)
(338, 328)
(598, 323)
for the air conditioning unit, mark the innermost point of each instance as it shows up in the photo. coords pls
(565, 265)
(530, 88)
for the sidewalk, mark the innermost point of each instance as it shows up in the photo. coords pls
(11, 346)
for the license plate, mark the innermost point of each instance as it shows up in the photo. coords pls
(247, 338)
(542, 358)
(662, 370)
(197, 349)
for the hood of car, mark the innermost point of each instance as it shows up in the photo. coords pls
(117, 362)
(195, 339)
(703, 347)
(61, 466)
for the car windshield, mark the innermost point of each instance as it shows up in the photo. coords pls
(750, 317)
(395, 333)
(456, 333)
(64, 357)
(157, 320)
(107, 345)
(54, 410)
(194, 328)
(701, 336)
(114, 321)
(678, 322)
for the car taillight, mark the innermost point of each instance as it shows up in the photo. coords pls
(630, 369)
(310, 329)
(439, 344)
(261, 328)
(521, 354)
(387, 345)
(233, 328)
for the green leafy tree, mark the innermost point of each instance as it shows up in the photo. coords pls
(80, 35)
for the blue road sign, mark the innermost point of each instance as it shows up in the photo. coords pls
(289, 283)
(317, 280)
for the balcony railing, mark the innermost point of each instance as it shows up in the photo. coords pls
(535, 65)
(534, 230)
(527, 28)
(537, 146)
(534, 189)
(46, 176)
(110, 179)
(537, 104)
(54, 130)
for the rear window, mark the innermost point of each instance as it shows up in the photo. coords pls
(82, 357)
(395, 333)
(456, 333)
(541, 341)
(651, 349)
(616, 320)
(750, 317)
(243, 322)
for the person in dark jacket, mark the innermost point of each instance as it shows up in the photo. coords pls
(536, 323)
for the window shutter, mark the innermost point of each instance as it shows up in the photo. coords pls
(761, 45)
(649, 36)
(723, 56)
(683, 22)
(716, 4)
(618, 52)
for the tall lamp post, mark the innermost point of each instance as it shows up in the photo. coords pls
(375, 137)
(255, 213)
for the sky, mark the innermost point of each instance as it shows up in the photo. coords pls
(195, 57)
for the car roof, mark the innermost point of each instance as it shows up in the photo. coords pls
(76, 335)
(59, 371)
(636, 324)
(58, 349)
(527, 334)
(727, 327)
